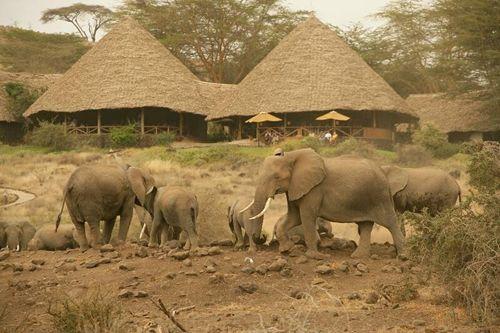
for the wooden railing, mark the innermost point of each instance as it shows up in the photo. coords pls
(319, 131)
(87, 130)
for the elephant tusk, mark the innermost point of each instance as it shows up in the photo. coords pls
(247, 207)
(266, 207)
(150, 190)
(143, 230)
(17, 248)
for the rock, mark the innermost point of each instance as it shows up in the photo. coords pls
(104, 261)
(391, 269)
(4, 255)
(140, 294)
(191, 273)
(374, 257)
(125, 294)
(298, 294)
(214, 250)
(39, 262)
(17, 268)
(180, 255)
(210, 269)
(213, 243)
(358, 273)
(261, 269)
(141, 252)
(416, 270)
(248, 269)
(201, 252)
(226, 242)
(277, 265)
(372, 298)
(324, 270)
(97, 262)
(107, 248)
(353, 296)
(125, 267)
(171, 275)
(286, 272)
(114, 255)
(216, 278)
(248, 287)
(67, 267)
(353, 262)
(301, 260)
(187, 262)
(318, 281)
(343, 267)
(362, 268)
(419, 322)
(172, 244)
(32, 268)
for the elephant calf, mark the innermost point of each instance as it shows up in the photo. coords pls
(414, 189)
(46, 238)
(296, 234)
(16, 235)
(245, 230)
(172, 206)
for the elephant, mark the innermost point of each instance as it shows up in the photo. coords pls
(341, 189)
(241, 227)
(296, 234)
(46, 238)
(174, 208)
(16, 235)
(166, 234)
(97, 193)
(414, 189)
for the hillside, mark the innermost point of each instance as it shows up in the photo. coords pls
(23, 50)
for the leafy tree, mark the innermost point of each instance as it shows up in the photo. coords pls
(220, 40)
(95, 17)
(20, 97)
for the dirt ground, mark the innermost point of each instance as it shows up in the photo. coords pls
(380, 294)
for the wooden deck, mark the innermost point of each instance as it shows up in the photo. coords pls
(319, 131)
(90, 130)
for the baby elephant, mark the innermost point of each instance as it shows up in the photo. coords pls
(244, 229)
(296, 234)
(173, 208)
(47, 238)
(16, 235)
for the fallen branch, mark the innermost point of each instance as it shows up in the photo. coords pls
(186, 308)
(170, 314)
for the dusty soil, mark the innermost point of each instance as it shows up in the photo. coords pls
(296, 299)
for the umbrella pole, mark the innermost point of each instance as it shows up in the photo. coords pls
(257, 135)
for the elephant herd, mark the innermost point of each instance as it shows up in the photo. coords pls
(317, 190)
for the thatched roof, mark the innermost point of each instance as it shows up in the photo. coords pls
(459, 114)
(215, 93)
(312, 69)
(127, 68)
(35, 81)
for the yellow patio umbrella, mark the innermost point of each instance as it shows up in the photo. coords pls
(261, 118)
(333, 115)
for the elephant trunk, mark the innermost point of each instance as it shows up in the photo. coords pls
(13, 242)
(262, 202)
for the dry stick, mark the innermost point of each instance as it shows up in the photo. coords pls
(186, 308)
(169, 314)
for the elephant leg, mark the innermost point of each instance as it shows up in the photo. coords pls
(311, 236)
(292, 219)
(95, 234)
(164, 238)
(80, 237)
(391, 223)
(108, 230)
(240, 242)
(365, 231)
(125, 219)
(155, 229)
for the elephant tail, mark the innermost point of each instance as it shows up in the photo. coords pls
(459, 196)
(230, 218)
(58, 221)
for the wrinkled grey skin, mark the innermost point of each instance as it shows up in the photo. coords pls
(46, 238)
(101, 193)
(414, 189)
(341, 189)
(172, 206)
(167, 234)
(242, 227)
(296, 234)
(16, 235)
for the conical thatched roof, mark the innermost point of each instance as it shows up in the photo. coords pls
(454, 114)
(333, 115)
(312, 69)
(127, 68)
(262, 117)
(33, 81)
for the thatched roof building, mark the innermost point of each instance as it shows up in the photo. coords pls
(460, 116)
(312, 69)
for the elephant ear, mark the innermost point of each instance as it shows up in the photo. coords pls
(149, 201)
(308, 170)
(397, 177)
(141, 184)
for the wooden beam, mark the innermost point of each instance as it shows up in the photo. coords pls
(65, 123)
(142, 121)
(181, 123)
(98, 121)
(240, 128)
(374, 119)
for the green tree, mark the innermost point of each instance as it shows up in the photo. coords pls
(219, 40)
(94, 17)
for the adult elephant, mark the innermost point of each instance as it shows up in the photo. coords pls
(101, 193)
(414, 189)
(343, 189)
(46, 238)
(241, 226)
(16, 235)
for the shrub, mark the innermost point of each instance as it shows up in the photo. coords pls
(215, 133)
(306, 142)
(352, 146)
(52, 136)
(165, 139)
(124, 136)
(413, 155)
(435, 142)
(484, 167)
(94, 313)
(20, 97)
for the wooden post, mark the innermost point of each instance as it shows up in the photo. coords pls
(257, 135)
(240, 128)
(181, 123)
(142, 121)
(374, 118)
(65, 123)
(284, 125)
(98, 121)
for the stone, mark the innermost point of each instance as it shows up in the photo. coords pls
(301, 260)
(416, 270)
(358, 273)
(286, 272)
(107, 248)
(248, 287)
(261, 269)
(372, 298)
(214, 243)
(39, 262)
(180, 255)
(97, 262)
(248, 270)
(125, 267)
(32, 268)
(226, 242)
(298, 294)
(67, 267)
(362, 268)
(210, 269)
(141, 252)
(140, 294)
(277, 265)
(4, 255)
(172, 244)
(216, 278)
(125, 293)
(214, 250)
(353, 296)
(419, 322)
(17, 267)
(324, 270)
(114, 255)
(201, 252)
(318, 281)
(343, 267)
(374, 257)
(187, 262)
(391, 269)
(171, 275)
(191, 273)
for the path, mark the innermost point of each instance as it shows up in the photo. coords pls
(22, 196)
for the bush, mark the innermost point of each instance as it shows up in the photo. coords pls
(52, 136)
(20, 98)
(413, 155)
(124, 136)
(165, 139)
(484, 167)
(352, 146)
(306, 142)
(94, 313)
(435, 142)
